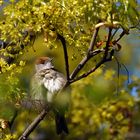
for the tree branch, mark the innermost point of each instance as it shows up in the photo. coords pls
(103, 60)
(33, 125)
(107, 44)
(116, 30)
(93, 69)
(87, 73)
(88, 56)
(63, 41)
(121, 35)
(93, 40)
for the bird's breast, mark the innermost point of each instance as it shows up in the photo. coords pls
(54, 85)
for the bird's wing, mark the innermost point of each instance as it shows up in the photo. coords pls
(38, 91)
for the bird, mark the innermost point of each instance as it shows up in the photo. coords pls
(47, 86)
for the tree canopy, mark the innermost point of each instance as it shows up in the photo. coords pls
(89, 34)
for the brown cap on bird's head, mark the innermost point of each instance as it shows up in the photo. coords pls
(42, 60)
(42, 63)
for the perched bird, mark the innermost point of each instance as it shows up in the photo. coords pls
(47, 86)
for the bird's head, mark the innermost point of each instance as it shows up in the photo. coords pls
(42, 63)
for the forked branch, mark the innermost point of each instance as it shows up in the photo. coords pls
(87, 57)
(104, 59)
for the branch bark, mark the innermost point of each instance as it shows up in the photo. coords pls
(87, 73)
(107, 44)
(93, 40)
(63, 41)
(121, 35)
(93, 69)
(33, 125)
(87, 57)
(103, 60)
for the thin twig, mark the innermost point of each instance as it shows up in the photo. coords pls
(87, 73)
(33, 125)
(128, 74)
(107, 44)
(93, 40)
(95, 52)
(121, 35)
(118, 75)
(63, 41)
(114, 33)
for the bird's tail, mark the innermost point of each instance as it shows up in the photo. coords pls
(61, 125)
